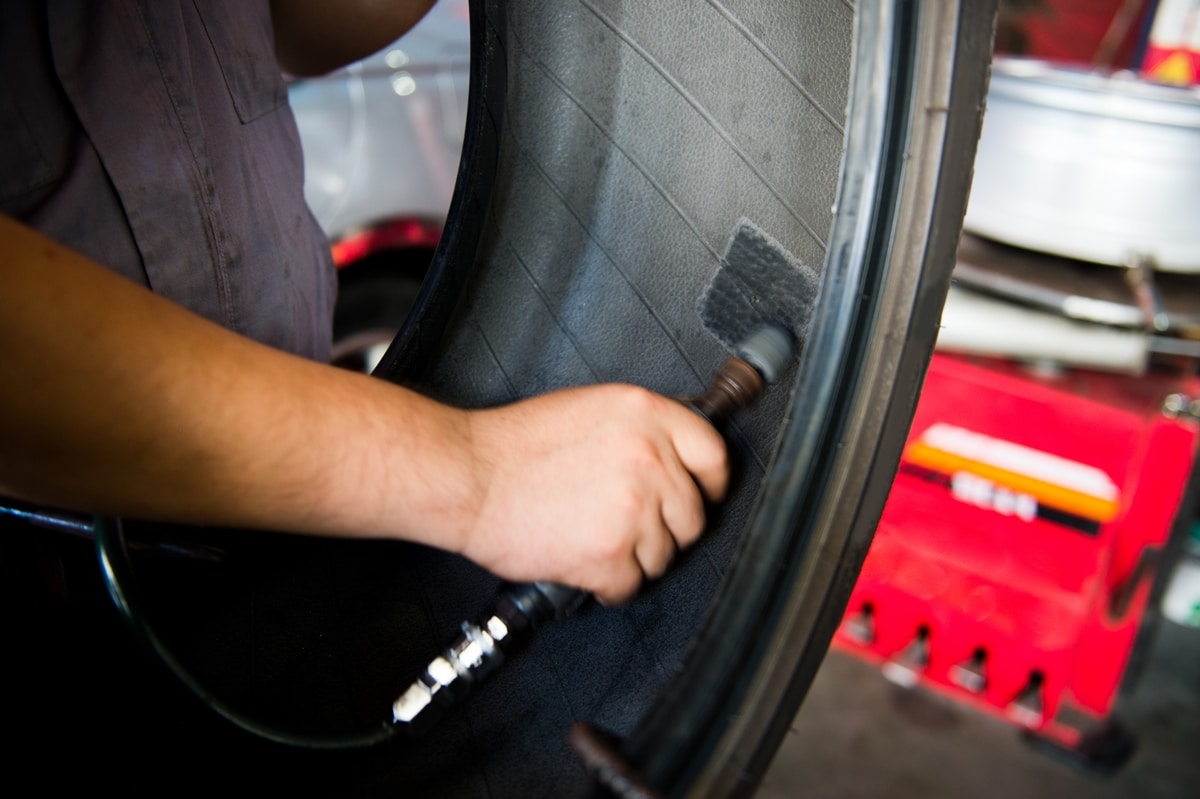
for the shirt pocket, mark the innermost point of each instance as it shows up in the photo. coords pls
(244, 43)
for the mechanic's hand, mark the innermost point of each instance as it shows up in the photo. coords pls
(594, 487)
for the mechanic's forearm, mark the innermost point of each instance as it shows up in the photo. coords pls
(117, 401)
(313, 37)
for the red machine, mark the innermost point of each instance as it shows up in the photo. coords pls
(1018, 555)
(1014, 560)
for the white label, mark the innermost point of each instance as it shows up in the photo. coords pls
(983, 493)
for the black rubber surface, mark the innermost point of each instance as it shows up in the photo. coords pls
(611, 150)
(629, 149)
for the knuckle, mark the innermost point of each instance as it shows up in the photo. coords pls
(612, 548)
(638, 400)
(621, 587)
(644, 455)
(630, 506)
(713, 453)
(714, 469)
(661, 562)
(720, 455)
(628, 583)
(693, 526)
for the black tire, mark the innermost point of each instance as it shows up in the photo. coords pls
(610, 150)
(600, 186)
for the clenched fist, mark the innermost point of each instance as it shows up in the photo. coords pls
(592, 487)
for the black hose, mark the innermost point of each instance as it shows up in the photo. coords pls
(119, 582)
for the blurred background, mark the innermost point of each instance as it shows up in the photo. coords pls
(382, 140)
(1027, 622)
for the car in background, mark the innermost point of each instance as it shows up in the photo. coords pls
(382, 140)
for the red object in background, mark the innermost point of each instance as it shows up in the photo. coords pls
(1101, 33)
(1175, 65)
(1173, 49)
(1157, 39)
(1013, 562)
(390, 235)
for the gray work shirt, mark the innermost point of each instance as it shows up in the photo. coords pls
(155, 138)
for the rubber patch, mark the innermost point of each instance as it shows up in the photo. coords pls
(758, 282)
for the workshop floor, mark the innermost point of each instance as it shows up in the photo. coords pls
(858, 735)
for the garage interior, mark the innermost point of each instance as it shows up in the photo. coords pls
(937, 684)
(885, 717)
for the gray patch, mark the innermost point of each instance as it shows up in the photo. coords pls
(758, 282)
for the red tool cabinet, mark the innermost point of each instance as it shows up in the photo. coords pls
(1013, 563)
